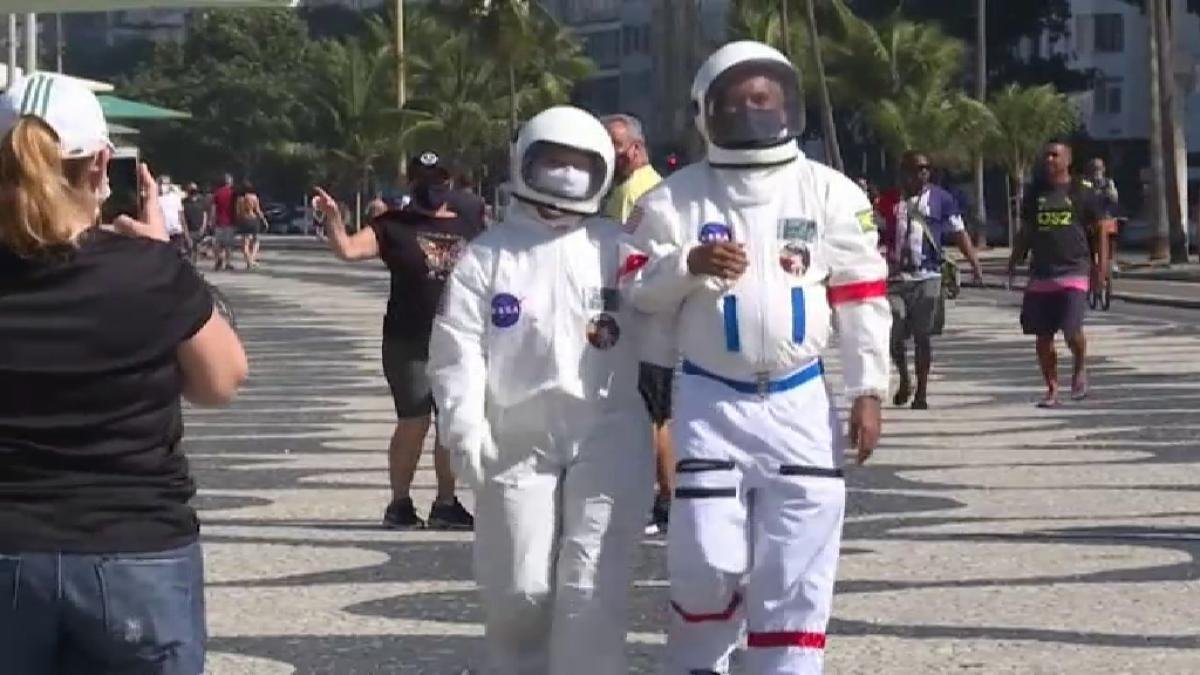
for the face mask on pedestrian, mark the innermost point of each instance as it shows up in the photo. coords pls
(568, 181)
(431, 197)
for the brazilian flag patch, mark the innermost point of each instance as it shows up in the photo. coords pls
(866, 220)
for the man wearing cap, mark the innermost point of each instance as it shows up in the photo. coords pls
(420, 245)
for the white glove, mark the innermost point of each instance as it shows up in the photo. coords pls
(469, 463)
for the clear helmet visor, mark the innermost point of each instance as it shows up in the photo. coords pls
(754, 104)
(562, 171)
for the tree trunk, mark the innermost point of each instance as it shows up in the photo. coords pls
(981, 95)
(1160, 246)
(1174, 145)
(832, 150)
(785, 28)
(401, 81)
(512, 100)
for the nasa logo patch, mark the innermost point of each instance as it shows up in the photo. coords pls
(715, 233)
(506, 310)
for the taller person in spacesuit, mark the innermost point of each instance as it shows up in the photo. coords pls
(757, 252)
(534, 367)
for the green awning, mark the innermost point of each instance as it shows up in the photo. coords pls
(8, 6)
(117, 108)
(121, 130)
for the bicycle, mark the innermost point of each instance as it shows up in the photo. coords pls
(1100, 288)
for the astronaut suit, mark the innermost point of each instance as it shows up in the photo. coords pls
(757, 517)
(534, 367)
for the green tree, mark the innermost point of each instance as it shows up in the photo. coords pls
(247, 79)
(359, 124)
(1025, 119)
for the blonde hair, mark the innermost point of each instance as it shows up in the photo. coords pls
(43, 198)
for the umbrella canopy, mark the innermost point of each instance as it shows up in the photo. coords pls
(117, 108)
(16, 6)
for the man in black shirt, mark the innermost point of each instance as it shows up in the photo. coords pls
(1060, 224)
(420, 245)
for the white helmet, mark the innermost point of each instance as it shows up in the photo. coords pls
(749, 106)
(563, 159)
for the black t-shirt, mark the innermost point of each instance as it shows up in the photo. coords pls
(420, 251)
(90, 419)
(1059, 221)
(194, 209)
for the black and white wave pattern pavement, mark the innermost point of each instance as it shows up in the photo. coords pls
(986, 536)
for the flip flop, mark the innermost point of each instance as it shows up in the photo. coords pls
(1049, 402)
(1079, 388)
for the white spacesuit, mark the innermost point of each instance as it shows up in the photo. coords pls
(534, 365)
(757, 517)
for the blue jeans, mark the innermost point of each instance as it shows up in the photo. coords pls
(109, 614)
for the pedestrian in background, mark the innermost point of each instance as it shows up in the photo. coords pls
(196, 210)
(103, 329)
(1061, 219)
(466, 203)
(420, 245)
(170, 200)
(224, 222)
(926, 218)
(633, 178)
(250, 222)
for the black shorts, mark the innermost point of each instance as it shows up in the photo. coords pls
(1050, 312)
(404, 364)
(248, 228)
(655, 382)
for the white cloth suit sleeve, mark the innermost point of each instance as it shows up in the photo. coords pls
(457, 368)
(659, 281)
(857, 289)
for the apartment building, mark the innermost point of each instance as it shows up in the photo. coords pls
(1111, 39)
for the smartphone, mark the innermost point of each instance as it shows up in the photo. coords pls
(126, 198)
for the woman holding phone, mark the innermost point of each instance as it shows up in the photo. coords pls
(104, 328)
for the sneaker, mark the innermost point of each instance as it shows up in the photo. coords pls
(659, 516)
(902, 394)
(402, 515)
(450, 516)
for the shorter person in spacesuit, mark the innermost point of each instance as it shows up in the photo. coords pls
(534, 364)
(756, 254)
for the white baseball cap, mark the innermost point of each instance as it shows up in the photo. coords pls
(65, 105)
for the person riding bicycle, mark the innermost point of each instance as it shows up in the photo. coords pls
(1108, 201)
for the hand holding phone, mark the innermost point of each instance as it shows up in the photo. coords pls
(148, 221)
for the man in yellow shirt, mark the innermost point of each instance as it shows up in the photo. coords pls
(634, 177)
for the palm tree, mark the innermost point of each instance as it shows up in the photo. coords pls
(869, 61)
(829, 130)
(946, 125)
(1026, 118)
(362, 125)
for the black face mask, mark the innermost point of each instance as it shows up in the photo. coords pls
(753, 127)
(431, 197)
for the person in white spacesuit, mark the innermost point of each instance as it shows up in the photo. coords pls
(534, 364)
(755, 254)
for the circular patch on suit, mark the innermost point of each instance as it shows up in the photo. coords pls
(794, 258)
(603, 332)
(506, 310)
(713, 233)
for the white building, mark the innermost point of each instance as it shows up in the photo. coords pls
(1111, 38)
